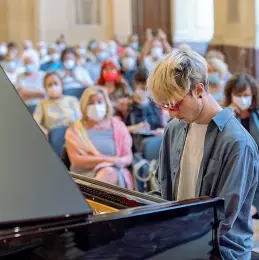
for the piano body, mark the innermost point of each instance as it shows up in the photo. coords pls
(47, 213)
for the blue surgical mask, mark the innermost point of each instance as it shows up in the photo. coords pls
(30, 68)
(11, 65)
(102, 56)
(214, 79)
(134, 45)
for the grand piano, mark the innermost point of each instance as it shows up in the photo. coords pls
(49, 213)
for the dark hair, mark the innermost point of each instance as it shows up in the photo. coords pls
(66, 51)
(141, 76)
(12, 45)
(239, 83)
(52, 73)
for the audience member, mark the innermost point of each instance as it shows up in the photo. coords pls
(99, 145)
(154, 49)
(42, 49)
(56, 110)
(54, 64)
(129, 64)
(101, 54)
(216, 87)
(112, 80)
(73, 76)
(30, 83)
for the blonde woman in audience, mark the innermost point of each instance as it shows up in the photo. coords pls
(30, 83)
(99, 145)
(56, 110)
(154, 49)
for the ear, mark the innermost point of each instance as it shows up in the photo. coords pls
(199, 91)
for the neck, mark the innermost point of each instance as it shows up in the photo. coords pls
(210, 109)
(244, 114)
(97, 124)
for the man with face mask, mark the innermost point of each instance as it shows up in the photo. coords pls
(101, 54)
(154, 49)
(30, 83)
(211, 154)
(42, 49)
(129, 65)
(54, 64)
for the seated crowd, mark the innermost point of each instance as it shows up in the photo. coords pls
(98, 93)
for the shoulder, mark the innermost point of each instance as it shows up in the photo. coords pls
(235, 136)
(70, 99)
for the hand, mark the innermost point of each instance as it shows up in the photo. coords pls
(253, 210)
(162, 35)
(235, 108)
(159, 131)
(143, 126)
(149, 34)
(22, 93)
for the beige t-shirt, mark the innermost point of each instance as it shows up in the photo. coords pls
(191, 161)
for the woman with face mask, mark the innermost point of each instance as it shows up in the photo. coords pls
(73, 76)
(30, 83)
(216, 87)
(56, 110)
(241, 93)
(112, 80)
(99, 145)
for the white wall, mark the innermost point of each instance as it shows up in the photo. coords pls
(193, 20)
(241, 33)
(58, 16)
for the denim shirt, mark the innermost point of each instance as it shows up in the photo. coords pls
(229, 169)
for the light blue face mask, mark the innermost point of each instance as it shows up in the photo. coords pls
(214, 79)
(30, 68)
(102, 56)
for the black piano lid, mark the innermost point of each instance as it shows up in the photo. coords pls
(34, 183)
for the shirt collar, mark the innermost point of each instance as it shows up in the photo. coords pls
(222, 118)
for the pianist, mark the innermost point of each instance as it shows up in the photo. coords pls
(205, 150)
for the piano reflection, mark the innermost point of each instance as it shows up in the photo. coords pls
(47, 213)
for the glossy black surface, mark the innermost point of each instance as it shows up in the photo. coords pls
(153, 232)
(34, 183)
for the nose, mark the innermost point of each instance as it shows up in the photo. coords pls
(173, 113)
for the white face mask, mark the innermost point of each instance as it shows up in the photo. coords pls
(96, 112)
(113, 51)
(43, 52)
(134, 45)
(128, 63)
(55, 57)
(157, 52)
(81, 52)
(242, 102)
(3, 50)
(30, 68)
(69, 64)
(54, 91)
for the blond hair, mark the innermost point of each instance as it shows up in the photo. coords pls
(92, 91)
(176, 75)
